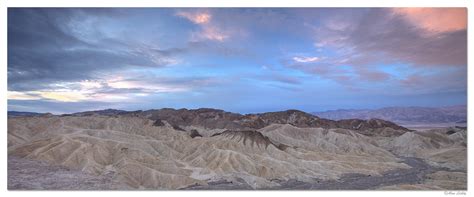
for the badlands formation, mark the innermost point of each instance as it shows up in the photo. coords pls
(214, 149)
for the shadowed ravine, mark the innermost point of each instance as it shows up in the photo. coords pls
(414, 175)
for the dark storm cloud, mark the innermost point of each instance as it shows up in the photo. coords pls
(43, 50)
(28, 66)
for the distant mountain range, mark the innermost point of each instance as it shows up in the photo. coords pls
(218, 118)
(207, 118)
(19, 113)
(403, 115)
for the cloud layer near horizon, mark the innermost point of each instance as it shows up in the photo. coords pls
(243, 60)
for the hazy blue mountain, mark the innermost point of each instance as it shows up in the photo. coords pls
(403, 115)
(18, 114)
(104, 112)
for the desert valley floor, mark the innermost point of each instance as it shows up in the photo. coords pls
(213, 149)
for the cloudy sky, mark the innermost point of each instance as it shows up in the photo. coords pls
(240, 60)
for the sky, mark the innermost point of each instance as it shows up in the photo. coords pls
(248, 60)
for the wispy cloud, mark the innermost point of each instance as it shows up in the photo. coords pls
(114, 89)
(363, 44)
(14, 95)
(305, 59)
(210, 33)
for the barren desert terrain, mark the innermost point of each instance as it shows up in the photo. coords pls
(213, 149)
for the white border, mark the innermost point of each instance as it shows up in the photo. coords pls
(217, 3)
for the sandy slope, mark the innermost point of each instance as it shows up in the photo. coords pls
(160, 157)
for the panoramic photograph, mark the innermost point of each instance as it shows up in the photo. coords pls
(237, 99)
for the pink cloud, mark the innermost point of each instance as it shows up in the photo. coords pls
(209, 31)
(196, 17)
(435, 20)
(423, 37)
